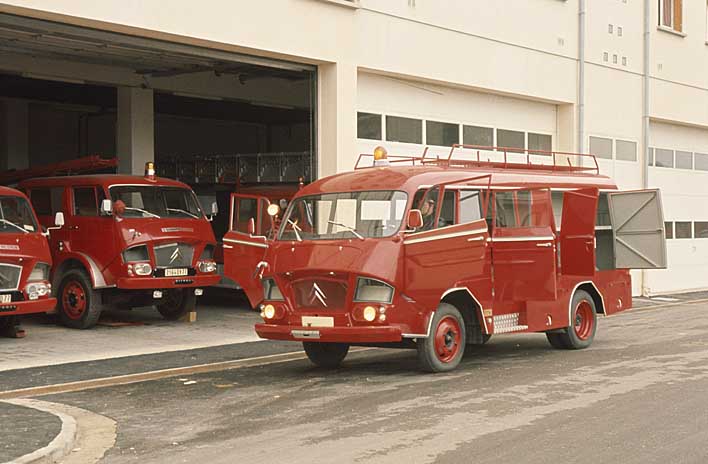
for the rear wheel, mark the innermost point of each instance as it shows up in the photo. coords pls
(10, 327)
(583, 324)
(327, 355)
(176, 303)
(443, 349)
(78, 303)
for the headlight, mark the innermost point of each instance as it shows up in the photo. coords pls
(37, 289)
(136, 254)
(269, 311)
(271, 290)
(40, 272)
(372, 290)
(142, 269)
(369, 313)
(206, 266)
(208, 253)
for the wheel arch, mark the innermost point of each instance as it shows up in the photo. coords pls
(79, 261)
(470, 308)
(597, 298)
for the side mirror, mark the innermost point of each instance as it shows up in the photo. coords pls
(106, 207)
(415, 219)
(251, 227)
(59, 219)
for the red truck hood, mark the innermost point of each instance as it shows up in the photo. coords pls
(26, 246)
(143, 230)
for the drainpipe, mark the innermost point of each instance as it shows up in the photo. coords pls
(645, 114)
(581, 76)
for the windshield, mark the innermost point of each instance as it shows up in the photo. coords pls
(145, 201)
(16, 216)
(369, 214)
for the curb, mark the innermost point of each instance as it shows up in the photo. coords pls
(60, 446)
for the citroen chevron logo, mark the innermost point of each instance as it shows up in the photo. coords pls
(317, 295)
(176, 255)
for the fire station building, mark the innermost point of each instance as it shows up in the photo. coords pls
(221, 92)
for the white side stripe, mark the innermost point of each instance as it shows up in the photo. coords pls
(243, 242)
(411, 241)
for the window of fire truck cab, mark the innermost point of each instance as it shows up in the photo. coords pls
(459, 206)
(520, 209)
(344, 215)
(148, 201)
(16, 215)
(247, 208)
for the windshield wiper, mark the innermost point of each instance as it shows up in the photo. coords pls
(5, 221)
(142, 211)
(296, 228)
(349, 228)
(183, 212)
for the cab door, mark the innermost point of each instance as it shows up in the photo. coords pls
(243, 251)
(577, 234)
(89, 232)
(523, 246)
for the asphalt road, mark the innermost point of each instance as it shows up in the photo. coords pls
(638, 395)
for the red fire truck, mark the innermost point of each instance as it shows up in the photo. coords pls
(129, 241)
(24, 262)
(438, 253)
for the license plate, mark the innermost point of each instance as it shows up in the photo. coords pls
(175, 272)
(5, 299)
(310, 321)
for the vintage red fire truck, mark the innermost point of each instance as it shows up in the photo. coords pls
(129, 241)
(438, 253)
(24, 262)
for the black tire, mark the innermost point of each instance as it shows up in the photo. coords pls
(176, 303)
(326, 355)
(583, 324)
(79, 305)
(444, 348)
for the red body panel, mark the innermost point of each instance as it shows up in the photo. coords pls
(97, 242)
(24, 250)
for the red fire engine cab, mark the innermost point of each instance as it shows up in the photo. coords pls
(438, 253)
(24, 262)
(129, 241)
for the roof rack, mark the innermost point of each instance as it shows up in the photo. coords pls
(503, 159)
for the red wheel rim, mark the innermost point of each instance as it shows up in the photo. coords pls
(73, 299)
(447, 339)
(584, 320)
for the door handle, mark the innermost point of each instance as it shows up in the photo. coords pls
(475, 239)
(73, 227)
(545, 245)
(228, 247)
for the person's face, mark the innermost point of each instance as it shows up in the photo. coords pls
(427, 208)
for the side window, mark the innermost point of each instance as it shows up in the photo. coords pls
(523, 208)
(46, 201)
(85, 203)
(264, 220)
(505, 214)
(448, 213)
(470, 206)
(244, 210)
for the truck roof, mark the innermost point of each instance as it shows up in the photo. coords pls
(105, 180)
(8, 191)
(411, 178)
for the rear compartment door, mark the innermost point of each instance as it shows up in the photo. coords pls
(243, 252)
(577, 234)
(638, 229)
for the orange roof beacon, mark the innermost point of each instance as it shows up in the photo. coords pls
(437, 253)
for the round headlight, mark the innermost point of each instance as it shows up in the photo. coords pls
(273, 209)
(369, 313)
(142, 269)
(269, 311)
(207, 266)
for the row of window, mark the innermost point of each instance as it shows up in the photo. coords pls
(371, 126)
(666, 158)
(606, 148)
(686, 229)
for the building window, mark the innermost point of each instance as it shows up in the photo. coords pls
(511, 139)
(663, 158)
(540, 142)
(683, 230)
(671, 14)
(684, 159)
(601, 147)
(701, 161)
(405, 130)
(474, 135)
(368, 126)
(650, 157)
(442, 133)
(669, 228)
(626, 151)
(700, 229)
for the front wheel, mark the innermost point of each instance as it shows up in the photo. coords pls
(583, 324)
(79, 304)
(176, 303)
(327, 355)
(444, 347)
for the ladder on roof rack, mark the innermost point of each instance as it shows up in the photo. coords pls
(505, 158)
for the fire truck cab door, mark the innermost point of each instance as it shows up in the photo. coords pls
(242, 251)
(638, 229)
(577, 234)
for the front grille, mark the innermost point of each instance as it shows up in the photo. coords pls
(320, 294)
(174, 255)
(9, 277)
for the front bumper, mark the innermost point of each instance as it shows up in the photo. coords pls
(351, 335)
(152, 283)
(16, 308)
